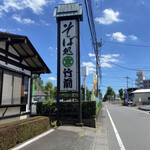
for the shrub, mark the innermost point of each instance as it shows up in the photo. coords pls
(50, 109)
(99, 106)
(54, 123)
(88, 109)
(21, 130)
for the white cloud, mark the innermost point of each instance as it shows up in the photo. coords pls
(50, 48)
(109, 35)
(92, 70)
(52, 78)
(108, 57)
(142, 2)
(91, 67)
(68, 1)
(35, 5)
(109, 16)
(89, 64)
(44, 23)
(1, 14)
(133, 37)
(117, 36)
(115, 55)
(120, 37)
(107, 65)
(91, 55)
(23, 20)
(2, 30)
(18, 29)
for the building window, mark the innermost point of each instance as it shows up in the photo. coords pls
(7, 88)
(17, 80)
(11, 88)
(1, 82)
(24, 90)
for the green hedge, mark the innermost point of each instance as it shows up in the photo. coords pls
(50, 109)
(99, 106)
(18, 131)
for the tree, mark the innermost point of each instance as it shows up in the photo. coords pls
(55, 92)
(109, 93)
(48, 89)
(121, 93)
(88, 93)
(38, 82)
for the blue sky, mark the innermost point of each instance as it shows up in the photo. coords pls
(117, 23)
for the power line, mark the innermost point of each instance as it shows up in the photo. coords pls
(146, 46)
(114, 75)
(90, 21)
(89, 12)
(123, 66)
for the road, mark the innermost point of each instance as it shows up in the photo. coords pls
(132, 125)
(132, 132)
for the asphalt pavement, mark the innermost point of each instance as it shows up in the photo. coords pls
(66, 138)
(132, 130)
(133, 126)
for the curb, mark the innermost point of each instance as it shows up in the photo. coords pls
(144, 109)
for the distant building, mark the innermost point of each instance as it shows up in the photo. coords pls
(141, 96)
(38, 94)
(146, 84)
(139, 80)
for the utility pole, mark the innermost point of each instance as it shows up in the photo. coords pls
(85, 72)
(132, 89)
(85, 87)
(127, 81)
(98, 44)
(96, 53)
(127, 86)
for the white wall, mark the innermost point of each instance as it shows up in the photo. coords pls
(142, 96)
(10, 111)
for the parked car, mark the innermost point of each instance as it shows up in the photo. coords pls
(117, 99)
(130, 102)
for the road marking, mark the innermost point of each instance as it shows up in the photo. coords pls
(32, 140)
(116, 133)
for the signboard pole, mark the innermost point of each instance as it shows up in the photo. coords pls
(58, 69)
(79, 80)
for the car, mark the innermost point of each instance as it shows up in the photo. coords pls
(130, 102)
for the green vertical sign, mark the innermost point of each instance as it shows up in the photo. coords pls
(33, 90)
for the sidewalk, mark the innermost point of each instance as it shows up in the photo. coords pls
(65, 138)
(144, 107)
(101, 138)
(75, 138)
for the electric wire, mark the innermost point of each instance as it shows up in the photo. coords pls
(146, 46)
(135, 69)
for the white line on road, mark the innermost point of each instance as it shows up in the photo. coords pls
(116, 132)
(33, 140)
